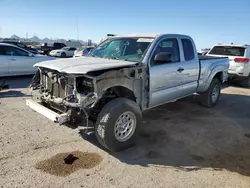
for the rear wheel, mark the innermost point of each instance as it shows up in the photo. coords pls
(118, 124)
(212, 95)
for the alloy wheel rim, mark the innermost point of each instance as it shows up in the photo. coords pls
(215, 93)
(125, 126)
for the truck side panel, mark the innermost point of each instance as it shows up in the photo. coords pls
(177, 79)
(209, 68)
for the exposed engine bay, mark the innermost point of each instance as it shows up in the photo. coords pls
(82, 96)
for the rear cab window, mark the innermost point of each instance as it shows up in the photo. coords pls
(188, 49)
(228, 51)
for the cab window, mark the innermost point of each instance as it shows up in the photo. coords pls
(9, 50)
(168, 47)
(187, 49)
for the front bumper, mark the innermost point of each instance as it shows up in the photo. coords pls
(77, 56)
(236, 77)
(55, 54)
(53, 116)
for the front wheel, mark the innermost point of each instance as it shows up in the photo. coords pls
(211, 96)
(118, 124)
(63, 55)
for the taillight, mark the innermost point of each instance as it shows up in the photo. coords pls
(82, 53)
(241, 60)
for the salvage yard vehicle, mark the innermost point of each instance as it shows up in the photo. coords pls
(20, 45)
(15, 61)
(47, 47)
(123, 76)
(64, 52)
(83, 51)
(239, 60)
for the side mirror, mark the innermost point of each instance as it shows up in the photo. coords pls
(163, 57)
(31, 55)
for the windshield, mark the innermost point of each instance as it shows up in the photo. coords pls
(79, 49)
(228, 50)
(129, 49)
(65, 48)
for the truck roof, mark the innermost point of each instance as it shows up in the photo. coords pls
(6, 44)
(237, 45)
(153, 35)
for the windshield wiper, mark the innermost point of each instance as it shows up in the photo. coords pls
(96, 56)
(114, 57)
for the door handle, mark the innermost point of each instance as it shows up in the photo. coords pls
(13, 59)
(180, 70)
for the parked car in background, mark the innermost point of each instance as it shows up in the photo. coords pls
(83, 51)
(75, 44)
(239, 59)
(17, 61)
(106, 37)
(64, 52)
(21, 45)
(202, 53)
(122, 77)
(46, 47)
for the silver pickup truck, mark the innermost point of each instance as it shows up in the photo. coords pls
(122, 77)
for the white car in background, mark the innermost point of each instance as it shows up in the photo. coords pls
(83, 51)
(16, 61)
(202, 53)
(64, 52)
(239, 61)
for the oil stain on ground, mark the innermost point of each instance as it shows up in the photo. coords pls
(56, 165)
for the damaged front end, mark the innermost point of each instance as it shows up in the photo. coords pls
(63, 97)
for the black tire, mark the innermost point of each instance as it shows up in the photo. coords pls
(105, 124)
(47, 53)
(206, 97)
(63, 55)
(246, 82)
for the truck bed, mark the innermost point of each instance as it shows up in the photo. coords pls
(207, 65)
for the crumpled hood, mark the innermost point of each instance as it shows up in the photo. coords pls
(83, 65)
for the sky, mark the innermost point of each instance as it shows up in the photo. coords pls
(207, 22)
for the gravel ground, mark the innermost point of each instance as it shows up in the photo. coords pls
(181, 145)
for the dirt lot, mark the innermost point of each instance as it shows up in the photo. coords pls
(181, 145)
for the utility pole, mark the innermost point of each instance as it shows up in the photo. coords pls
(77, 29)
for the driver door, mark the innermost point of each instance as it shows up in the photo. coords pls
(20, 61)
(165, 84)
(4, 62)
(71, 52)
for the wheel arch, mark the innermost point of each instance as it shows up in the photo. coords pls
(120, 91)
(218, 72)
